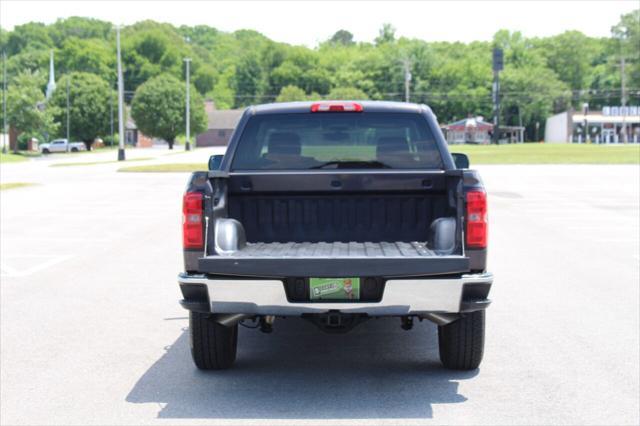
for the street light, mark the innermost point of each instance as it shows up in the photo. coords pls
(121, 156)
(5, 134)
(187, 145)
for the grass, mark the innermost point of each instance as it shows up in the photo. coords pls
(166, 168)
(91, 163)
(13, 185)
(16, 158)
(538, 153)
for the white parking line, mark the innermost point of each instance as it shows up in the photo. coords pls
(8, 271)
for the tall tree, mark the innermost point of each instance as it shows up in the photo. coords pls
(158, 109)
(291, 94)
(343, 37)
(347, 94)
(89, 105)
(26, 108)
(387, 34)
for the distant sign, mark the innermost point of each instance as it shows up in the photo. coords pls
(620, 110)
(498, 59)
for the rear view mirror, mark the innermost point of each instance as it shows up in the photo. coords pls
(215, 161)
(461, 160)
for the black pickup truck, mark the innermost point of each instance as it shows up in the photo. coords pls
(335, 212)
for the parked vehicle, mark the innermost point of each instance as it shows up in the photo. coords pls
(336, 212)
(61, 145)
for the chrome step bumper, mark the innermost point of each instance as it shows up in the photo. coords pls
(400, 297)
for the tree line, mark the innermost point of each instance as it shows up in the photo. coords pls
(541, 75)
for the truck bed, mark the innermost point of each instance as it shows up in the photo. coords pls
(335, 259)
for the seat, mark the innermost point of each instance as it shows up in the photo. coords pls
(394, 151)
(284, 151)
(283, 143)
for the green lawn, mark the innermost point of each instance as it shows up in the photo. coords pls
(538, 153)
(166, 168)
(13, 185)
(91, 163)
(12, 158)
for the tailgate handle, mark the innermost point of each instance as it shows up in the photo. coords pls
(336, 184)
(246, 185)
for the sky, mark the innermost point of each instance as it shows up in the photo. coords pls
(310, 22)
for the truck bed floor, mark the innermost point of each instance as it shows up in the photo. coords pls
(336, 249)
(353, 259)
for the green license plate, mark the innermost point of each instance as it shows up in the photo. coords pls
(334, 288)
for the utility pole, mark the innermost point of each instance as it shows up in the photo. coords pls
(407, 78)
(623, 100)
(585, 112)
(498, 65)
(68, 131)
(121, 156)
(5, 131)
(111, 115)
(187, 145)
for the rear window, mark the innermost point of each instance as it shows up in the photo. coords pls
(337, 141)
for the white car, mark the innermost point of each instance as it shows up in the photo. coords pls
(62, 145)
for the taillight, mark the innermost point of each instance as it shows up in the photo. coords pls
(336, 107)
(476, 219)
(192, 235)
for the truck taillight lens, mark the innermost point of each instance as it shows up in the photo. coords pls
(476, 219)
(192, 230)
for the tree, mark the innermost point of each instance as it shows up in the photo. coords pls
(222, 93)
(89, 104)
(627, 34)
(347, 94)
(531, 94)
(86, 56)
(26, 109)
(31, 36)
(387, 34)
(248, 79)
(158, 109)
(291, 94)
(570, 55)
(343, 37)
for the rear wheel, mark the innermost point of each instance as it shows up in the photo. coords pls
(45, 151)
(462, 342)
(213, 346)
(74, 149)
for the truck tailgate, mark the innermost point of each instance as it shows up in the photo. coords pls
(338, 259)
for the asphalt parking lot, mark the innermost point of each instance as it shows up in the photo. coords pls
(91, 331)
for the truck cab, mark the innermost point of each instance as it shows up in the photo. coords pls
(336, 212)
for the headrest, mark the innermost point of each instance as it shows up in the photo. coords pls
(392, 145)
(284, 143)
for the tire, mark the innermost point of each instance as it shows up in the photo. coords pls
(461, 342)
(45, 151)
(74, 149)
(213, 346)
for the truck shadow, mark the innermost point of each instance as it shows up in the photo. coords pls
(375, 371)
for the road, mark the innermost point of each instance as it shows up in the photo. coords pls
(91, 331)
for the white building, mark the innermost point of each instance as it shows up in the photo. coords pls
(606, 126)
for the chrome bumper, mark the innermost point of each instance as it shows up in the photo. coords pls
(401, 297)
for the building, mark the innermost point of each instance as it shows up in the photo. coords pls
(134, 137)
(605, 126)
(475, 130)
(221, 124)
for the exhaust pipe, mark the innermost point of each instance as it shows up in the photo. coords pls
(229, 320)
(441, 319)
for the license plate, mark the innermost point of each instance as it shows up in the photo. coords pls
(334, 288)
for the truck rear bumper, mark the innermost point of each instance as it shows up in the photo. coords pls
(465, 293)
